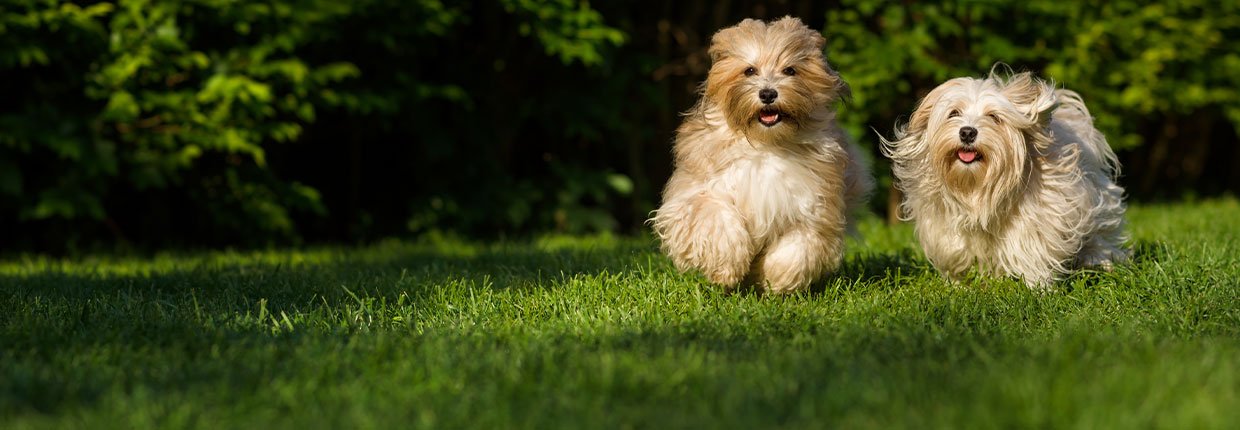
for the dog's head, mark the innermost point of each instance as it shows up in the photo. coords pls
(979, 139)
(771, 79)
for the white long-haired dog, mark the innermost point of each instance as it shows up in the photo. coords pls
(1009, 175)
(764, 178)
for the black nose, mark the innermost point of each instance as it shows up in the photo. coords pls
(968, 134)
(768, 95)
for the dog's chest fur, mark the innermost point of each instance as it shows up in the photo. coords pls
(775, 187)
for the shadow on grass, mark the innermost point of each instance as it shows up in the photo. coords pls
(868, 271)
(250, 360)
(1143, 251)
(54, 310)
(872, 266)
(119, 334)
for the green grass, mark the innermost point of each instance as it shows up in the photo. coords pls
(583, 332)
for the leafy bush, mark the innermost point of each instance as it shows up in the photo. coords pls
(218, 122)
(1132, 61)
(174, 106)
(135, 97)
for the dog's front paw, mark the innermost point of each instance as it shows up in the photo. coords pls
(708, 235)
(728, 277)
(795, 260)
(1098, 260)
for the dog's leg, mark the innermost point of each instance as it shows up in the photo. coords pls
(1095, 255)
(1105, 246)
(858, 181)
(944, 248)
(1102, 251)
(708, 234)
(799, 257)
(1040, 280)
(1036, 254)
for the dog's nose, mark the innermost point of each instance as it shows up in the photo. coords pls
(768, 95)
(968, 134)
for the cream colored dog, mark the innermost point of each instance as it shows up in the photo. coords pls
(763, 176)
(1009, 175)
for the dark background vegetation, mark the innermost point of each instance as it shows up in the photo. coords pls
(202, 123)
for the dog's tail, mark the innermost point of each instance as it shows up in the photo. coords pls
(858, 184)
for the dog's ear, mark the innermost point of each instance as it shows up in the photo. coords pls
(920, 119)
(1036, 98)
(908, 141)
(728, 40)
(719, 44)
(820, 42)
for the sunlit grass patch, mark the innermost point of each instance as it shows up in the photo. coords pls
(586, 331)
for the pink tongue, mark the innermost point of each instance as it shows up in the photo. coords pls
(769, 117)
(966, 155)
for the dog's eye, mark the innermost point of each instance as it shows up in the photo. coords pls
(790, 71)
(954, 113)
(751, 71)
(995, 117)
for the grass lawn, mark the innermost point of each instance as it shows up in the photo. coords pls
(587, 332)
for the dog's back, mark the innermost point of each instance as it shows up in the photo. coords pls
(1073, 117)
(1072, 124)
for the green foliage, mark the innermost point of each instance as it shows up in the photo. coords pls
(221, 122)
(573, 332)
(150, 92)
(569, 29)
(1134, 62)
(135, 99)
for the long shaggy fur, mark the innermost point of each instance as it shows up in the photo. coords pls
(757, 204)
(1039, 200)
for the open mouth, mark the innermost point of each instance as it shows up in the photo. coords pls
(968, 155)
(769, 116)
